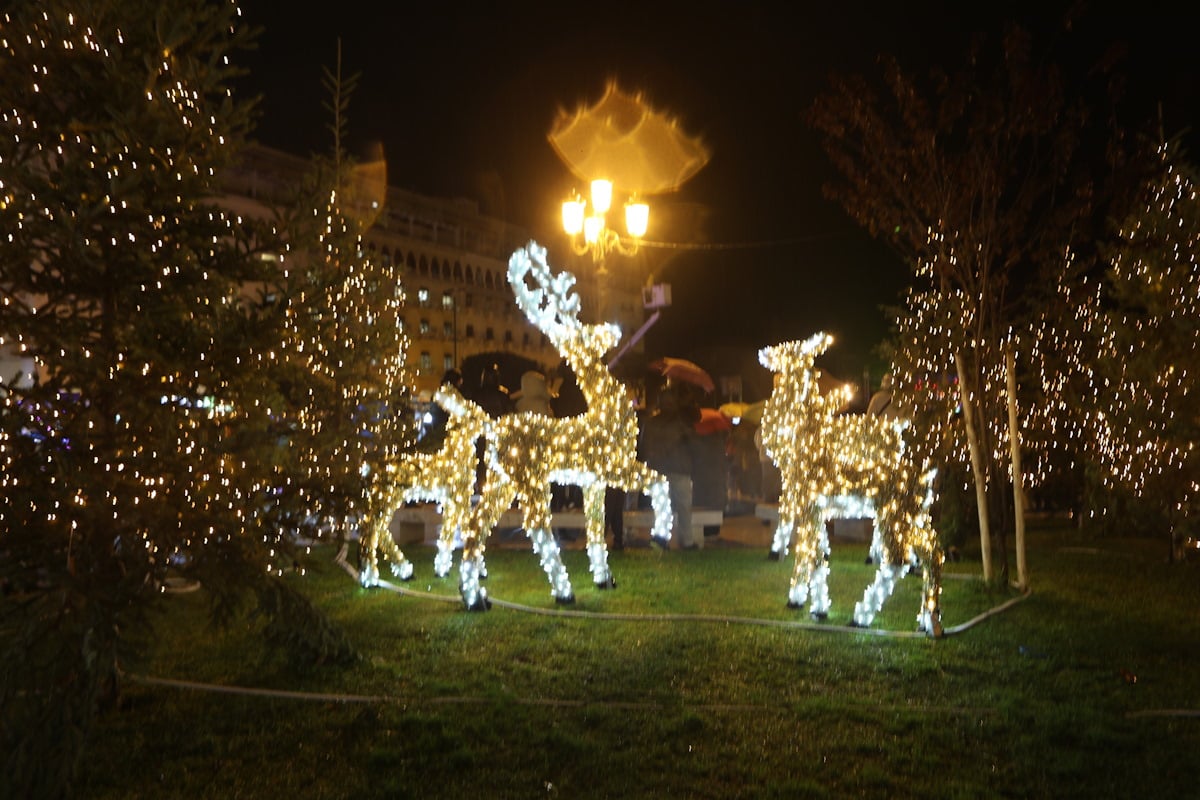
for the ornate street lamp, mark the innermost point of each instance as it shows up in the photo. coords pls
(590, 233)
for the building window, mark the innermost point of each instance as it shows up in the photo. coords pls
(448, 330)
(489, 335)
(525, 339)
(447, 300)
(426, 360)
(424, 329)
(468, 300)
(423, 297)
(508, 337)
(470, 332)
(447, 362)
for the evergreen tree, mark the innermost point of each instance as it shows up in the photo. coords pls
(142, 439)
(350, 412)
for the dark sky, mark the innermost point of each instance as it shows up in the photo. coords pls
(462, 96)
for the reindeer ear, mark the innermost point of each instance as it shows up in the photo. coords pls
(769, 357)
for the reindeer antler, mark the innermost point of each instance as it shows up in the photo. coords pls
(805, 351)
(551, 302)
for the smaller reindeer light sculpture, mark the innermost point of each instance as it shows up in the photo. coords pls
(446, 477)
(835, 465)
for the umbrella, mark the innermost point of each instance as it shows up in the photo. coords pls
(712, 421)
(683, 370)
(625, 140)
(746, 412)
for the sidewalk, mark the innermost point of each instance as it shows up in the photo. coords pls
(739, 531)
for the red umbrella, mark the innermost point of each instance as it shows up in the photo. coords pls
(712, 421)
(681, 369)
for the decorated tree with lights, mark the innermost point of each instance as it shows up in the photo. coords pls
(978, 179)
(1129, 362)
(144, 438)
(347, 393)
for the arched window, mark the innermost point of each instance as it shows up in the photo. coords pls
(487, 279)
(470, 277)
(458, 273)
(423, 266)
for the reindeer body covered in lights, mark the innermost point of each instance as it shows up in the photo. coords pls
(835, 465)
(446, 477)
(527, 451)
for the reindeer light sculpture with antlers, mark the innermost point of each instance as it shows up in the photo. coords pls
(446, 477)
(845, 465)
(593, 450)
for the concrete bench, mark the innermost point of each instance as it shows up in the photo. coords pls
(854, 530)
(421, 523)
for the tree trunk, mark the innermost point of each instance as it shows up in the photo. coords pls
(1014, 444)
(981, 500)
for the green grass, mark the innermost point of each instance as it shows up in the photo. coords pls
(625, 698)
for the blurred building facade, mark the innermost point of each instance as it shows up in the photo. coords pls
(452, 262)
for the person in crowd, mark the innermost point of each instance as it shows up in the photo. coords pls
(534, 395)
(882, 403)
(492, 396)
(667, 446)
(434, 432)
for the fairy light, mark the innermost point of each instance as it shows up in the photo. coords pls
(835, 466)
(527, 452)
(1120, 367)
(182, 476)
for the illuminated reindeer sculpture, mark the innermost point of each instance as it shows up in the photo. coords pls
(446, 477)
(845, 466)
(593, 450)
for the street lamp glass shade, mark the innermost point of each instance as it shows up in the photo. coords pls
(572, 216)
(592, 226)
(637, 219)
(601, 195)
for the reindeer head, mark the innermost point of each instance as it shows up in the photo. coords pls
(549, 301)
(794, 356)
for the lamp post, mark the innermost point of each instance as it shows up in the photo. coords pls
(589, 231)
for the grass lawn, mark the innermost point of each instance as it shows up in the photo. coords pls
(691, 679)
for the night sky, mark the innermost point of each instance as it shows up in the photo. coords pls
(462, 96)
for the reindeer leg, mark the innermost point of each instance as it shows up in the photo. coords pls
(819, 583)
(784, 528)
(537, 527)
(593, 507)
(659, 490)
(807, 553)
(472, 568)
(380, 539)
(929, 618)
(885, 577)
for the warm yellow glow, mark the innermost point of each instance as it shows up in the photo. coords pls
(602, 191)
(593, 227)
(572, 216)
(637, 218)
